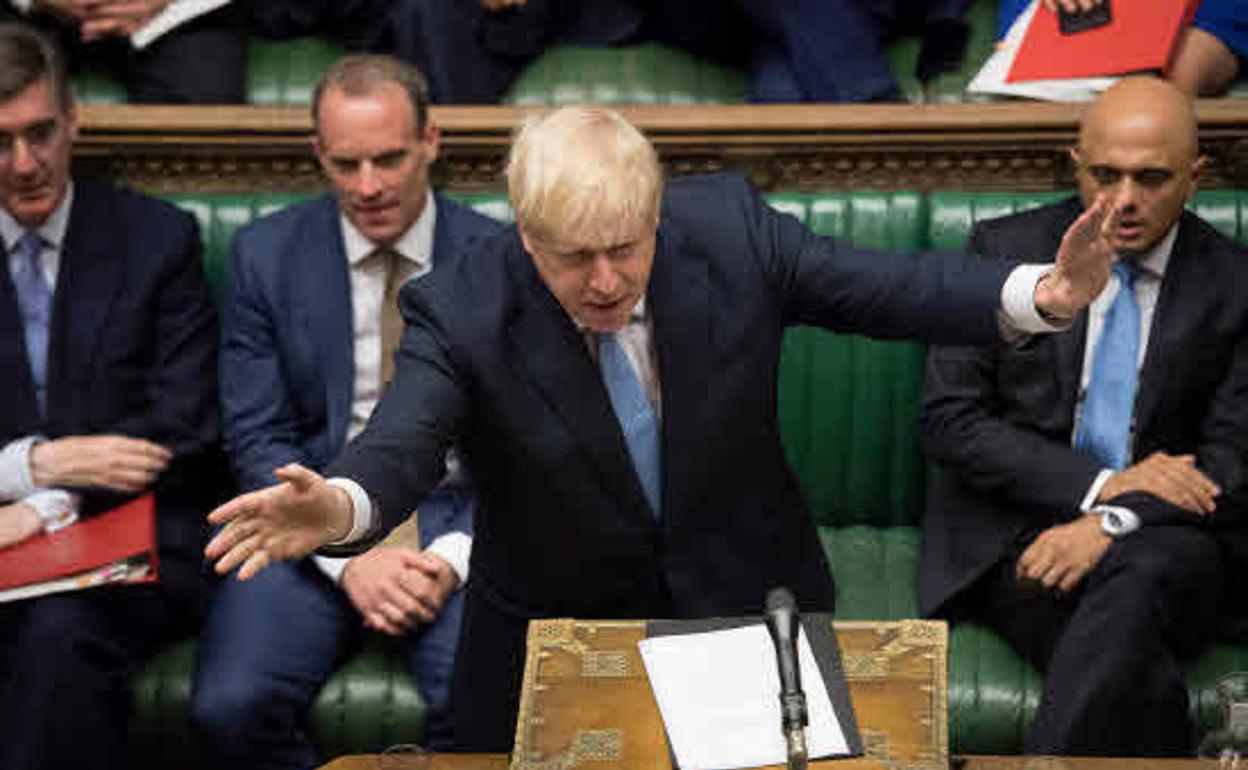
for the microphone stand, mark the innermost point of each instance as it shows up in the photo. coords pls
(783, 623)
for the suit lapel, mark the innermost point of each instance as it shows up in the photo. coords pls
(91, 273)
(679, 306)
(1171, 328)
(329, 320)
(17, 389)
(548, 348)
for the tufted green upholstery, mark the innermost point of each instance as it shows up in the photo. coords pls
(638, 74)
(285, 72)
(847, 408)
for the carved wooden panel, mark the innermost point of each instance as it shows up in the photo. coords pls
(1007, 146)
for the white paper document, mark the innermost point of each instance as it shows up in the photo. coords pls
(719, 694)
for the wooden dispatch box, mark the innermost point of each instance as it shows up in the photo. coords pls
(586, 701)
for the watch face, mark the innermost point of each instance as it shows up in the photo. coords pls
(1118, 521)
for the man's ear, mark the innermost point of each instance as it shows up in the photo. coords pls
(318, 150)
(431, 141)
(1198, 168)
(525, 239)
(71, 120)
(1075, 157)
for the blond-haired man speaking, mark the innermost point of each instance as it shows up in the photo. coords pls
(614, 396)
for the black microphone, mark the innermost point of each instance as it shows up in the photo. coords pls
(782, 624)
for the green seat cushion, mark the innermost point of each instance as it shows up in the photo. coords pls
(875, 569)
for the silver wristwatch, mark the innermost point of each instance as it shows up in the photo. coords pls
(1116, 521)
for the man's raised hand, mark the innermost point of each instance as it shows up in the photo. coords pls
(1083, 262)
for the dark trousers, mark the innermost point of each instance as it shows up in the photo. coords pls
(201, 62)
(65, 667)
(272, 641)
(1111, 650)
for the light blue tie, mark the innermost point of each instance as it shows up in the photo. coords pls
(1105, 427)
(34, 296)
(636, 416)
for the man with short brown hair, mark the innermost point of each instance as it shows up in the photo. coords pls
(310, 330)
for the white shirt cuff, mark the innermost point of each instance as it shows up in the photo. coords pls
(331, 566)
(1018, 301)
(22, 6)
(175, 14)
(1094, 491)
(16, 480)
(361, 510)
(56, 507)
(455, 547)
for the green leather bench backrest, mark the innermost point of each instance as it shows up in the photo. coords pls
(952, 214)
(846, 402)
(285, 72)
(638, 74)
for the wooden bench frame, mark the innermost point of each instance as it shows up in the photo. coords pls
(1002, 145)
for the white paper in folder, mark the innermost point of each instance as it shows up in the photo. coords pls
(719, 694)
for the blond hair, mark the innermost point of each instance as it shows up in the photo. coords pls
(578, 169)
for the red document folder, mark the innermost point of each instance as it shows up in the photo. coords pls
(1141, 36)
(117, 546)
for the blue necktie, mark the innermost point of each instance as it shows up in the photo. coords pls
(34, 296)
(1105, 427)
(636, 417)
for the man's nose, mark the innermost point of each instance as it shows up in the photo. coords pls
(367, 181)
(602, 276)
(1127, 194)
(23, 158)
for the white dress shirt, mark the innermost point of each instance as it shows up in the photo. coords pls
(175, 14)
(368, 289)
(1018, 315)
(57, 508)
(1147, 288)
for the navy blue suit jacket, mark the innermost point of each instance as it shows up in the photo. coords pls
(132, 350)
(998, 420)
(287, 366)
(562, 526)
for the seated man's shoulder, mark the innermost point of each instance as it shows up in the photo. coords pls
(292, 220)
(119, 204)
(466, 221)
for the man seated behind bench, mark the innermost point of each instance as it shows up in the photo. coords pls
(310, 330)
(1143, 407)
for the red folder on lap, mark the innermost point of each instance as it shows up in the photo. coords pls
(1142, 35)
(117, 546)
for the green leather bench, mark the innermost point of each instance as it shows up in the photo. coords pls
(847, 408)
